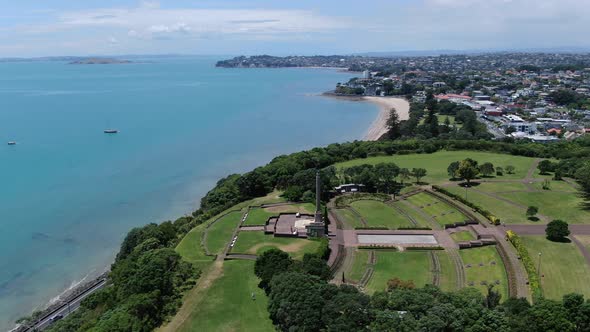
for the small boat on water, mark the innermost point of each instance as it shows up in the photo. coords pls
(12, 143)
(111, 131)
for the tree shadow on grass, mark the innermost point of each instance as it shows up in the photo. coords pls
(469, 185)
(533, 218)
(560, 240)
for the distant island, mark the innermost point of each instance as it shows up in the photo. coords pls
(98, 61)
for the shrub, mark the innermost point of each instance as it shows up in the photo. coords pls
(527, 262)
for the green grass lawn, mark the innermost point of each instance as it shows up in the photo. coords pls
(448, 276)
(462, 236)
(508, 213)
(219, 234)
(418, 218)
(190, 248)
(379, 214)
(291, 208)
(436, 163)
(229, 305)
(359, 266)
(563, 266)
(555, 205)
(409, 265)
(257, 243)
(440, 211)
(494, 187)
(488, 272)
(556, 186)
(348, 217)
(258, 216)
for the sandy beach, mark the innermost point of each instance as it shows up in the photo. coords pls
(379, 126)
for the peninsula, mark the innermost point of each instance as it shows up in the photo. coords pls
(99, 61)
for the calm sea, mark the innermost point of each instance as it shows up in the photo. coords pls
(69, 193)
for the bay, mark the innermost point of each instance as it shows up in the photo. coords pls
(69, 193)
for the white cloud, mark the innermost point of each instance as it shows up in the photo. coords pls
(113, 40)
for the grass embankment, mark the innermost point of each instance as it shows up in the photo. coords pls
(410, 265)
(358, 267)
(219, 234)
(448, 273)
(462, 236)
(440, 211)
(379, 214)
(436, 163)
(257, 243)
(227, 304)
(191, 249)
(483, 266)
(420, 220)
(563, 268)
(258, 216)
(348, 217)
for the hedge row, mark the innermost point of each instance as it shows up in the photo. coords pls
(425, 248)
(528, 263)
(414, 228)
(371, 228)
(489, 216)
(377, 247)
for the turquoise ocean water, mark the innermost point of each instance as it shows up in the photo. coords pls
(69, 193)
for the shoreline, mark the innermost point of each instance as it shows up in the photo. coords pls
(379, 125)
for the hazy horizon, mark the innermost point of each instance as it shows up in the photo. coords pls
(59, 27)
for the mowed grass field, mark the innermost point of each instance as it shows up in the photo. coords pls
(190, 248)
(563, 266)
(348, 217)
(462, 236)
(359, 266)
(482, 269)
(409, 265)
(440, 211)
(219, 234)
(508, 213)
(420, 220)
(228, 304)
(258, 216)
(256, 243)
(379, 214)
(448, 274)
(436, 163)
(555, 205)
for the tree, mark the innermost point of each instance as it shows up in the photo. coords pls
(404, 174)
(545, 166)
(387, 172)
(468, 170)
(271, 263)
(452, 169)
(499, 171)
(492, 297)
(316, 266)
(418, 173)
(557, 230)
(510, 169)
(531, 212)
(393, 125)
(396, 283)
(487, 169)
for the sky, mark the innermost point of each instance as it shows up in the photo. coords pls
(32, 28)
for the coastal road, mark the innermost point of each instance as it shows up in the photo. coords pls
(66, 309)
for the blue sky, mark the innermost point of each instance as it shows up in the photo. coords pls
(92, 27)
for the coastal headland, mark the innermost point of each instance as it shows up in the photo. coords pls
(379, 126)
